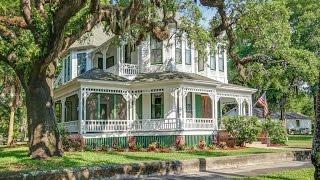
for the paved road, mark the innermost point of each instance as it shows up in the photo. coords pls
(238, 172)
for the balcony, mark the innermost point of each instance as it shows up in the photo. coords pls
(124, 69)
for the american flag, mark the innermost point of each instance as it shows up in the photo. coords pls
(263, 102)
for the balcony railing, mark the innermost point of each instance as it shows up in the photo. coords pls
(128, 69)
(100, 126)
(124, 69)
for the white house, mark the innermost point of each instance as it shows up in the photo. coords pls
(154, 91)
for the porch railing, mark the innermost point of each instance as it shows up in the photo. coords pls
(95, 126)
(105, 125)
(70, 126)
(199, 123)
(156, 124)
(128, 69)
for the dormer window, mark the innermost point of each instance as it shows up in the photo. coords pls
(188, 53)
(221, 58)
(156, 51)
(212, 60)
(82, 62)
(178, 52)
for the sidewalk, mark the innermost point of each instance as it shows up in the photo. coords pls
(238, 172)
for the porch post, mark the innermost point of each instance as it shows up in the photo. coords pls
(239, 106)
(250, 108)
(193, 105)
(80, 97)
(104, 61)
(216, 99)
(212, 97)
(85, 96)
(63, 109)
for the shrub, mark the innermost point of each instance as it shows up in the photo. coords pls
(202, 145)
(74, 142)
(132, 142)
(276, 131)
(153, 146)
(244, 129)
(179, 145)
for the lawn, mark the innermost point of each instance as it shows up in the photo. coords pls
(305, 173)
(16, 159)
(300, 141)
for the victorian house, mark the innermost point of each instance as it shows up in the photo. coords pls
(154, 91)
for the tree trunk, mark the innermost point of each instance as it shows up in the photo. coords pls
(315, 155)
(44, 136)
(11, 122)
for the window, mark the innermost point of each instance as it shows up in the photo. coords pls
(178, 52)
(67, 69)
(156, 51)
(200, 63)
(189, 105)
(110, 62)
(100, 63)
(212, 60)
(157, 106)
(139, 108)
(128, 49)
(58, 110)
(221, 58)
(298, 123)
(71, 104)
(188, 53)
(81, 59)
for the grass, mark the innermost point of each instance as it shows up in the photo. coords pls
(300, 141)
(16, 159)
(305, 173)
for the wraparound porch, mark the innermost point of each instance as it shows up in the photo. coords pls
(92, 110)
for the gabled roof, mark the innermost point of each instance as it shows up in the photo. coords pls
(276, 115)
(99, 74)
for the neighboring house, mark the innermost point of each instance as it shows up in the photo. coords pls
(296, 122)
(154, 91)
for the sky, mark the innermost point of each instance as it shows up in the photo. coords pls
(207, 14)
